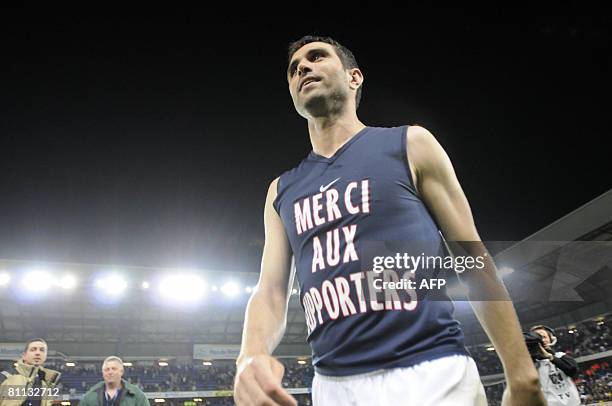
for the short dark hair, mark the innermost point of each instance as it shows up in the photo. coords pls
(345, 54)
(33, 340)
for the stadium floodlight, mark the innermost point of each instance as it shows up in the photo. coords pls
(490, 348)
(66, 282)
(127, 364)
(70, 364)
(197, 399)
(112, 284)
(160, 400)
(65, 403)
(182, 288)
(230, 289)
(207, 363)
(37, 281)
(162, 363)
(5, 278)
(145, 285)
(504, 271)
(301, 362)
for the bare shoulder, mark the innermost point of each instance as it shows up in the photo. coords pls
(273, 189)
(420, 139)
(425, 154)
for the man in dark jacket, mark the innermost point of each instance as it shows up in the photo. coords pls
(114, 391)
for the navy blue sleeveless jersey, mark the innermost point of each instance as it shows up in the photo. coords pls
(332, 207)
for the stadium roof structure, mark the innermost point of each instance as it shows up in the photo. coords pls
(81, 321)
(140, 321)
(535, 261)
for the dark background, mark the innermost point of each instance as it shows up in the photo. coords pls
(151, 141)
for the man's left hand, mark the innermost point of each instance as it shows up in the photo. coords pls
(545, 354)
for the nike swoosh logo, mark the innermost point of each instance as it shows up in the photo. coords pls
(324, 188)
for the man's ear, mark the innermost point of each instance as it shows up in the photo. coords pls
(355, 78)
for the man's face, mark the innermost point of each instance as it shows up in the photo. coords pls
(36, 353)
(112, 372)
(545, 336)
(317, 79)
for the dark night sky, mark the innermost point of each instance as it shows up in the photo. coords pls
(152, 142)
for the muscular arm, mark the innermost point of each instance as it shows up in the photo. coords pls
(258, 377)
(267, 309)
(439, 188)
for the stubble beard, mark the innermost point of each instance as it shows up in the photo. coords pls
(326, 104)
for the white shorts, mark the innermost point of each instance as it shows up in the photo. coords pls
(447, 381)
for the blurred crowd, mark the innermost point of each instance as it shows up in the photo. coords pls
(595, 382)
(174, 377)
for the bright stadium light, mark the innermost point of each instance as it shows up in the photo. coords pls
(182, 288)
(160, 400)
(505, 271)
(112, 284)
(207, 363)
(127, 364)
(37, 281)
(162, 363)
(70, 364)
(5, 278)
(230, 289)
(301, 362)
(490, 348)
(65, 403)
(66, 282)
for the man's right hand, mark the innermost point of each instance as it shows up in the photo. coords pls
(526, 393)
(259, 383)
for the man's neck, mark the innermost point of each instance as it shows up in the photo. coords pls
(112, 386)
(27, 364)
(328, 134)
